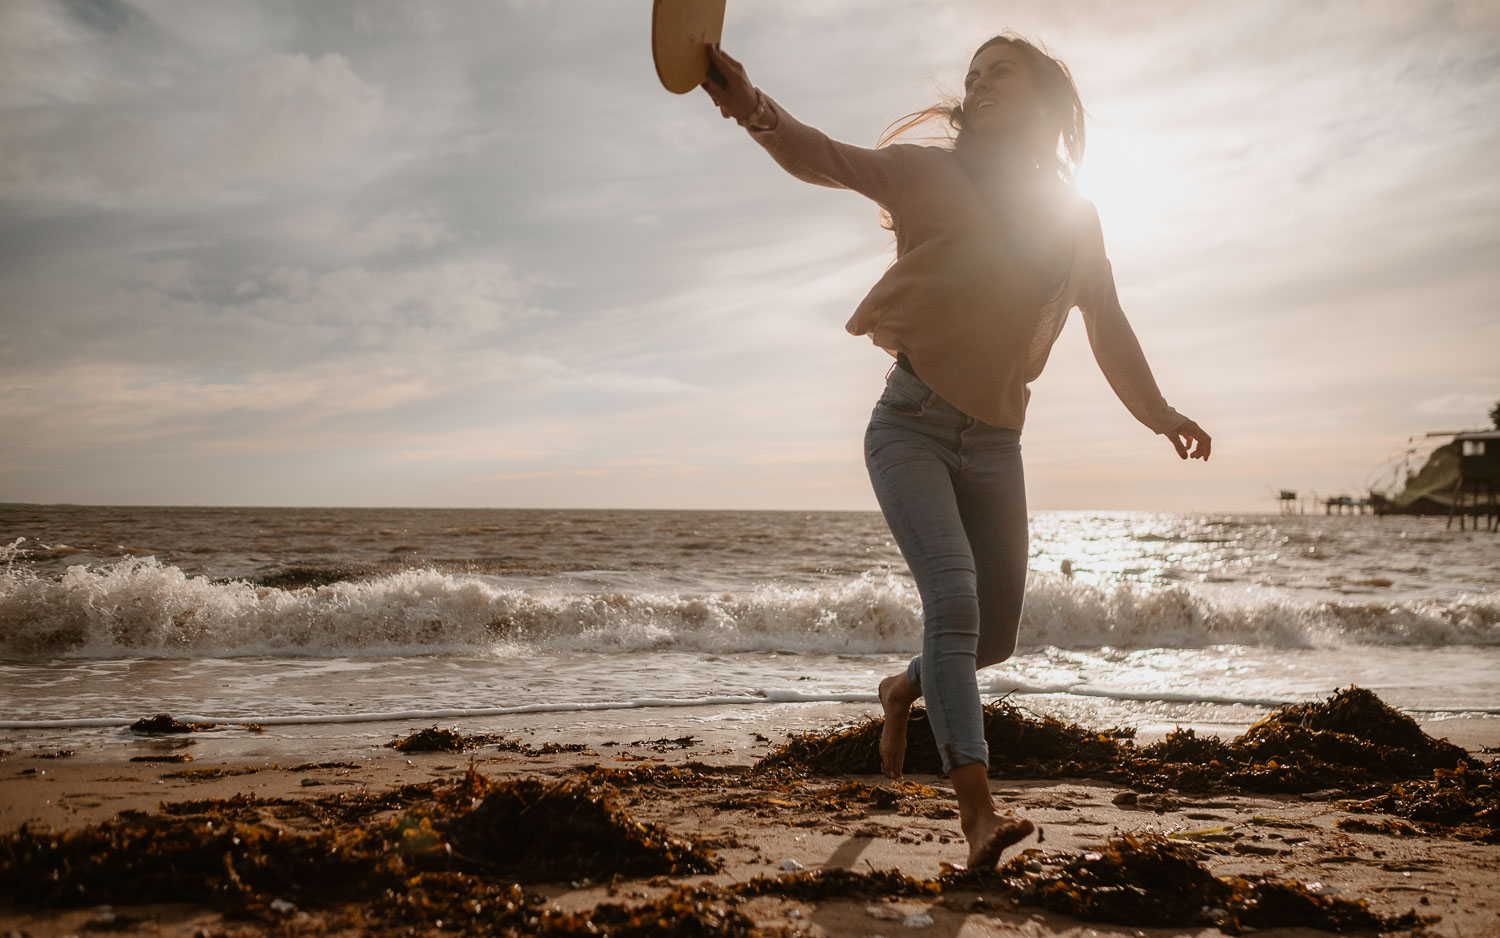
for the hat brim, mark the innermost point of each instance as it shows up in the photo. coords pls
(681, 32)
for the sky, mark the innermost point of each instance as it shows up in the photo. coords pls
(473, 254)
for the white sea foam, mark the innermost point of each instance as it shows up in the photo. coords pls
(140, 607)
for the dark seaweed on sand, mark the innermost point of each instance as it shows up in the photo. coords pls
(1019, 744)
(164, 757)
(526, 749)
(434, 739)
(683, 775)
(544, 832)
(225, 855)
(1148, 880)
(469, 906)
(1352, 741)
(1137, 880)
(155, 858)
(164, 723)
(815, 885)
(1462, 802)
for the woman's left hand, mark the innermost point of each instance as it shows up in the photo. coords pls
(1187, 433)
(736, 97)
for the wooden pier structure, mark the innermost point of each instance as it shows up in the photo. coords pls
(1478, 472)
(1292, 502)
(1460, 478)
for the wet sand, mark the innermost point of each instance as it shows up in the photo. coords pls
(762, 825)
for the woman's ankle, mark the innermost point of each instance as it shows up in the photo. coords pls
(971, 785)
(896, 691)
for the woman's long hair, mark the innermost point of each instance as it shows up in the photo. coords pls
(1055, 134)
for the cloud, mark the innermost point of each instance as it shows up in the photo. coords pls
(288, 121)
(296, 117)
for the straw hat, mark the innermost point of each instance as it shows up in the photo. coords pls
(681, 32)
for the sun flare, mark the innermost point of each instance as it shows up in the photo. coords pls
(1134, 180)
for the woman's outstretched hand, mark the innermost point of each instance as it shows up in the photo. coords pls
(1187, 433)
(736, 98)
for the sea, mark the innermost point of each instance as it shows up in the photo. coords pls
(341, 626)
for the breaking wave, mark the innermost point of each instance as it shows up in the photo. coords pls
(140, 607)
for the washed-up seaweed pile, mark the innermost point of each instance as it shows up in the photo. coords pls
(685, 775)
(463, 904)
(1352, 741)
(469, 837)
(879, 796)
(1019, 744)
(1143, 880)
(1461, 802)
(543, 832)
(438, 739)
(226, 864)
(816, 885)
(1148, 880)
(468, 906)
(435, 739)
(545, 749)
(164, 723)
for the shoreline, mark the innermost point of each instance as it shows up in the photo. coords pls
(750, 731)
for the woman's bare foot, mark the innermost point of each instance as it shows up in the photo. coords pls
(896, 698)
(992, 834)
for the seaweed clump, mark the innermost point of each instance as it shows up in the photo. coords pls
(225, 856)
(434, 739)
(1352, 740)
(543, 832)
(465, 905)
(1021, 745)
(1461, 802)
(1149, 880)
(526, 749)
(1144, 880)
(153, 858)
(815, 885)
(164, 757)
(685, 775)
(164, 723)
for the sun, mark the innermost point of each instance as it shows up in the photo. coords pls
(1135, 180)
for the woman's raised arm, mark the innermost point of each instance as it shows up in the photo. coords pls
(805, 152)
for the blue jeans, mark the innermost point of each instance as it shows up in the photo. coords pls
(954, 495)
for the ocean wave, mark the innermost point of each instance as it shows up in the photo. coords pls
(139, 607)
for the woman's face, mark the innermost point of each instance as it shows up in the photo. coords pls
(1000, 96)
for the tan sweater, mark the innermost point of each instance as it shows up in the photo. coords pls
(969, 298)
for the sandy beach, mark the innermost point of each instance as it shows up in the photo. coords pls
(714, 798)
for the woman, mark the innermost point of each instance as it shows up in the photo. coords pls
(993, 248)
